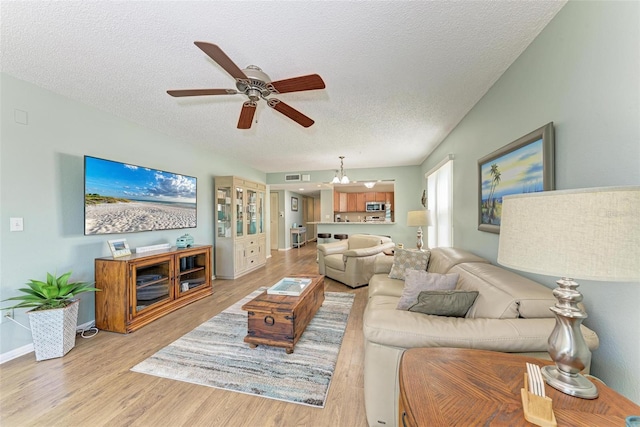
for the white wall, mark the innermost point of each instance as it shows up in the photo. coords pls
(41, 180)
(583, 73)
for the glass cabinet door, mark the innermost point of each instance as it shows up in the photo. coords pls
(261, 212)
(239, 212)
(252, 212)
(152, 285)
(223, 221)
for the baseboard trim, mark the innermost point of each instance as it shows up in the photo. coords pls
(15, 353)
(28, 348)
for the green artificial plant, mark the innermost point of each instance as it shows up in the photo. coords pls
(56, 292)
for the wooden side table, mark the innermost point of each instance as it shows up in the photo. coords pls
(462, 387)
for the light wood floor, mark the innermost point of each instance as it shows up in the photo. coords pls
(93, 386)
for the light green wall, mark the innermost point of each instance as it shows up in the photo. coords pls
(41, 180)
(583, 73)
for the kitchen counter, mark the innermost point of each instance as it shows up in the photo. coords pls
(353, 223)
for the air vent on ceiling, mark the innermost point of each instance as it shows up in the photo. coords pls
(306, 178)
(292, 177)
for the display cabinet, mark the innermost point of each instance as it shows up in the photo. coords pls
(140, 288)
(240, 245)
(224, 213)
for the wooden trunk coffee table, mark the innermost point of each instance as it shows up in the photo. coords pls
(280, 320)
(463, 387)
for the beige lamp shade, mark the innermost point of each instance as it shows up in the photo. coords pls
(418, 218)
(591, 234)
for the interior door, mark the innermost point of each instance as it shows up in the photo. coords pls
(309, 216)
(274, 221)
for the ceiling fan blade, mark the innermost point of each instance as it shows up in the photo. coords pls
(246, 115)
(297, 84)
(200, 92)
(222, 59)
(290, 112)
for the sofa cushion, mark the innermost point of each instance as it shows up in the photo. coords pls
(384, 325)
(381, 284)
(453, 303)
(503, 294)
(443, 259)
(359, 241)
(417, 281)
(405, 259)
(334, 261)
(383, 265)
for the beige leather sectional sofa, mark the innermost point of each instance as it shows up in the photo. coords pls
(510, 314)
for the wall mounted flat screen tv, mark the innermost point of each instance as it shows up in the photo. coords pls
(124, 198)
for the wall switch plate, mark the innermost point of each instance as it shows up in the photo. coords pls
(16, 224)
(21, 117)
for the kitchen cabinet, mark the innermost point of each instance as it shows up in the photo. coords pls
(352, 202)
(357, 202)
(339, 202)
(361, 205)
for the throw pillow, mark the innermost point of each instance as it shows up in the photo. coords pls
(454, 303)
(405, 259)
(417, 281)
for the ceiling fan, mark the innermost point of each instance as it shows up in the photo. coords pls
(255, 84)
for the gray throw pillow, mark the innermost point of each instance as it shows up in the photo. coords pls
(406, 259)
(417, 281)
(454, 303)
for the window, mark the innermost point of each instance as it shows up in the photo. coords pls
(440, 203)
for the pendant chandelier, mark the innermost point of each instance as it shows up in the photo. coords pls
(342, 178)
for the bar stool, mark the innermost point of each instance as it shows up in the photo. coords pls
(341, 236)
(324, 236)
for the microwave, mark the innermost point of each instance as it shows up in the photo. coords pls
(375, 206)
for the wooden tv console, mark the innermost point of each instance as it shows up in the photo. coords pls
(140, 288)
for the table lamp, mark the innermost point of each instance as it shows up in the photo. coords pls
(418, 219)
(590, 234)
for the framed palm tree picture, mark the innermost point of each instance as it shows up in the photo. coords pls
(524, 166)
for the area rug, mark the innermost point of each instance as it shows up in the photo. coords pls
(215, 355)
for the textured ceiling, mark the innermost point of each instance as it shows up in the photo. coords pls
(399, 75)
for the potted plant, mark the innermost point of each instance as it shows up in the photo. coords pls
(54, 314)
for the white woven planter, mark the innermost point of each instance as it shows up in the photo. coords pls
(54, 331)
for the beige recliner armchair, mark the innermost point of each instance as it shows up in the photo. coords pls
(350, 261)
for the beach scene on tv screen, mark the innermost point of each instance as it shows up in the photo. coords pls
(124, 198)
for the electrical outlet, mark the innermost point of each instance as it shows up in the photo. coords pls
(16, 224)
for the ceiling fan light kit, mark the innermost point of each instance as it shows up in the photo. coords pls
(256, 85)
